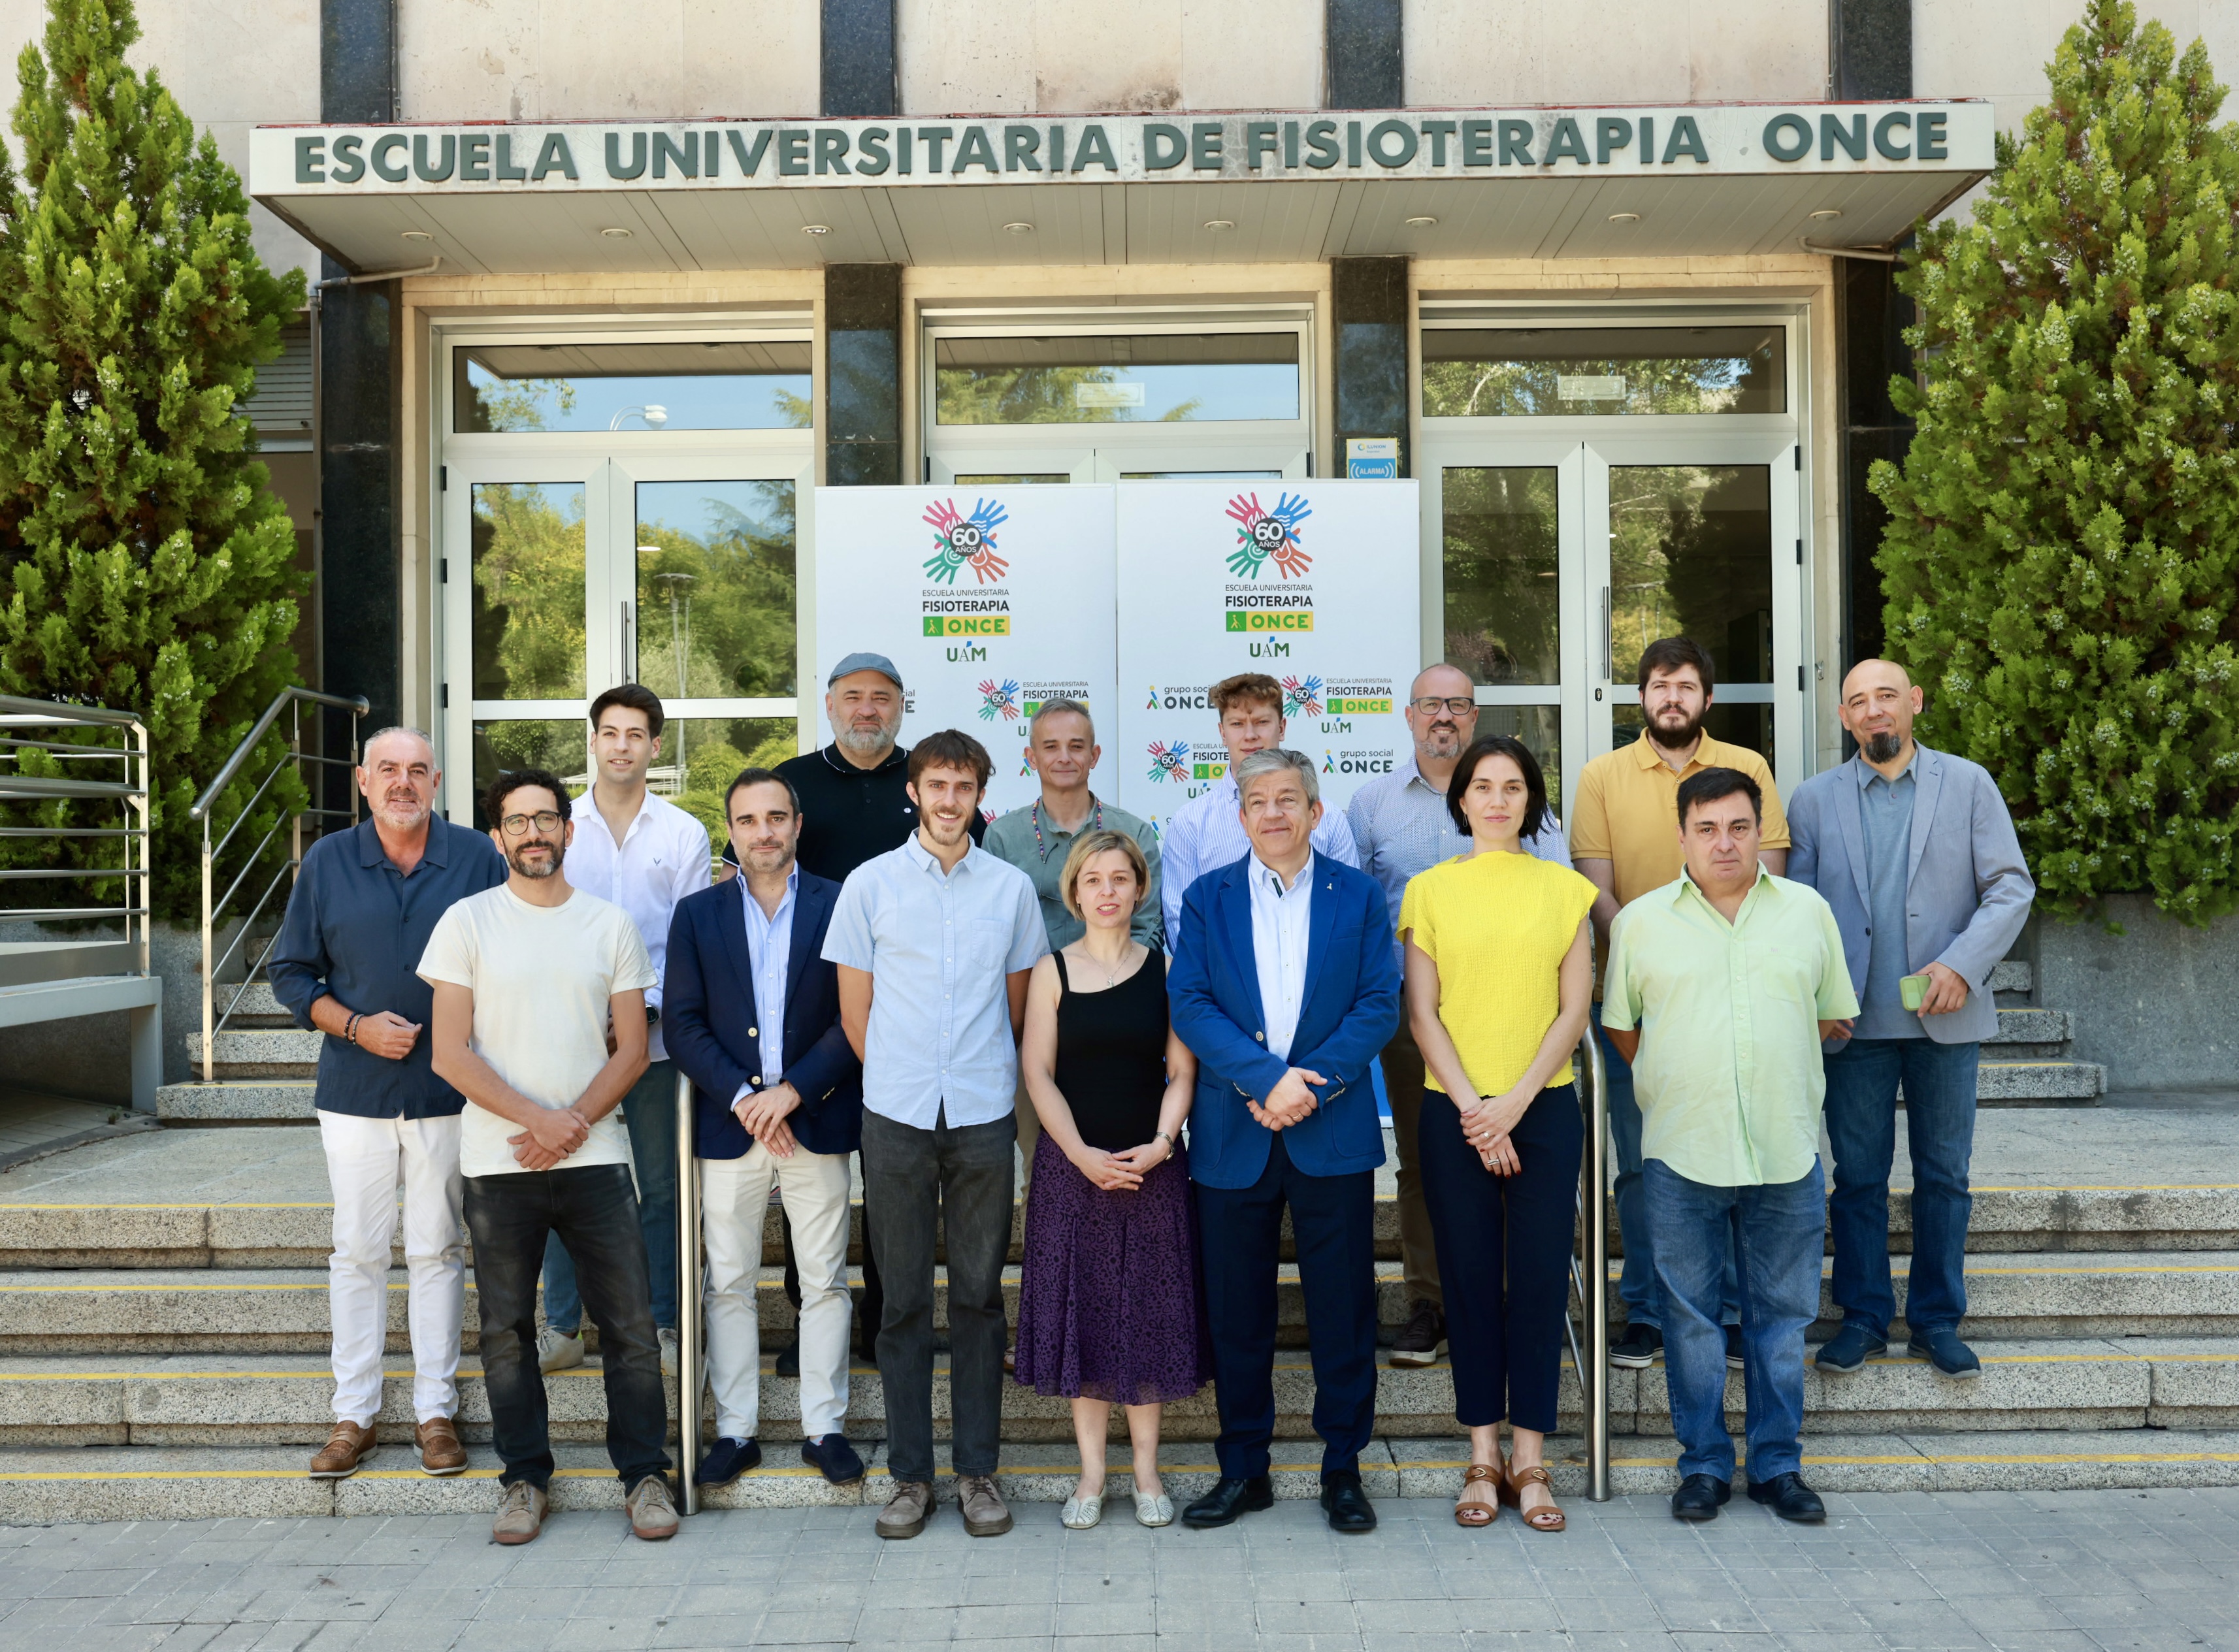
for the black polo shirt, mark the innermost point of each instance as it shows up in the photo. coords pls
(848, 814)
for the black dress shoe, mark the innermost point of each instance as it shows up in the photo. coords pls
(1699, 1498)
(725, 1461)
(1345, 1505)
(1736, 1358)
(1788, 1497)
(1229, 1498)
(833, 1458)
(788, 1360)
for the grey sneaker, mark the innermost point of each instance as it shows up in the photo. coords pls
(520, 1514)
(984, 1513)
(904, 1515)
(652, 1513)
(556, 1351)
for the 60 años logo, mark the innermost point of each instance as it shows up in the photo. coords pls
(1169, 762)
(1302, 696)
(999, 699)
(1262, 533)
(958, 541)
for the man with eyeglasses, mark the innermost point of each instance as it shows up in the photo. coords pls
(531, 979)
(1402, 827)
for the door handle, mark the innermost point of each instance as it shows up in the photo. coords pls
(1609, 639)
(629, 650)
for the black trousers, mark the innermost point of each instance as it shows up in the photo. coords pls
(1504, 1253)
(593, 1209)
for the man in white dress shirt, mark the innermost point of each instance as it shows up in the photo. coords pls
(644, 854)
(1208, 832)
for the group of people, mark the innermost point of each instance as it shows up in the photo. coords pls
(1177, 1035)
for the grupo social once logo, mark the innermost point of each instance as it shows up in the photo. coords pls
(999, 699)
(961, 541)
(1302, 696)
(1263, 535)
(1169, 762)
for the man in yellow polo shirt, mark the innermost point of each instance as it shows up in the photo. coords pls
(1625, 838)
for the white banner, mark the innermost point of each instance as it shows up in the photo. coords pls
(1315, 583)
(987, 600)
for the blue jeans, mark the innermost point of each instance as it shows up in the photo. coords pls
(1939, 1127)
(1777, 1234)
(1637, 1286)
(649, 1110)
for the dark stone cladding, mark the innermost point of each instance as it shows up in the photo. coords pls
(862, 375)
(857, 69)
(361, 594)
(1368, 309)
(1362, 47)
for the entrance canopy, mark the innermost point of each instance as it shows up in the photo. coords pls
(1689, 180)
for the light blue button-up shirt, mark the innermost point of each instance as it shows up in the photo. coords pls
(940, 950)
(769, 942)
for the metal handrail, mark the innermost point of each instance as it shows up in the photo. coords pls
(296, 759)
(134, 795)
(691, 1355)
(1590, 1269)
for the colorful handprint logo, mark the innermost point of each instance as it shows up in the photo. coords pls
(999, 699)
(1169, 762)
(960, 540)
(1262, 534)
(1302, 696)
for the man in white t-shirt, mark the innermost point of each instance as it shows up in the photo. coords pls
(531, 980)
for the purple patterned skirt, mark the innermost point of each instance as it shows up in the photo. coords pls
(1110, 1305)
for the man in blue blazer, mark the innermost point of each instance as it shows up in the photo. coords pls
(1286, 987)
(752, 1011)
(1916, 852)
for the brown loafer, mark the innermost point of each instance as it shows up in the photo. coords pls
(440, 1453)
(520, 1513)
(986, 1515)
(345, 1447)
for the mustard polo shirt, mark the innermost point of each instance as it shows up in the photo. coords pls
(1627, 811)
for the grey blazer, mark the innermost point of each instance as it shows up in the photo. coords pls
(1969, 891)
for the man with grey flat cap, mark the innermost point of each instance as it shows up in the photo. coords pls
(855, 807)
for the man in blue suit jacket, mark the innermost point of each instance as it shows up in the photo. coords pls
(1285, 986)
(752, 1017)
(1916, 854)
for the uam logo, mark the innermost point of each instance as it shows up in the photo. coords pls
(998, 699)
(959, 540)
(1302, 696)
(1262, 533)
(1169, 762)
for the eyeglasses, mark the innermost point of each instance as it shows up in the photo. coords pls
(546, 819)
(1431, 706)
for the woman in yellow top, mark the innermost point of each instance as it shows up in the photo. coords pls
(1499, 967)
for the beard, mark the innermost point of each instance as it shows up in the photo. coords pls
(1672, 739)
(947, 833)
(866, 742)
(402, 813)
(1440, 740)
(1883, 747)
(514, 857)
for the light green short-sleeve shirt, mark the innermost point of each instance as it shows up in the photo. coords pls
(1729, 1075)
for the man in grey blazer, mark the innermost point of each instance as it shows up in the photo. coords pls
(1916, 852)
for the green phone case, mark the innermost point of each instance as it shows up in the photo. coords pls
(1914, 990)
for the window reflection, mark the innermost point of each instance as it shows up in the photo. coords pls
(1522, 372)
(1502, 558)
(544, 387)
(1116, 379)
(717, 588)
(1691, 554)
(527, 621)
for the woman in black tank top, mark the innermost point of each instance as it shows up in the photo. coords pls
(1110, 1310)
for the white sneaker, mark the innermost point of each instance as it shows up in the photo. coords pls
(670, 1357)
(555, 1352)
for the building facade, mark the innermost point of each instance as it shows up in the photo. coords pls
(604, 293)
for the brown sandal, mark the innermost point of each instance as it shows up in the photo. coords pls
(1478, 1514)
(1511, 1493)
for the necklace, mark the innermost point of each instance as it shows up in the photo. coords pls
(1111, 975)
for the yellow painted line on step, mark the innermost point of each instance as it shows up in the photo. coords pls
(220, 1205)
(2122, 1187)
(319, 1286)
(2076, 1457)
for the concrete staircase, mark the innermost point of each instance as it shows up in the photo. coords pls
(2028, 1063)
(164, 1331)
(264, 1066)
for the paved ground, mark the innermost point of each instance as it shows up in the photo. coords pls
(2034, 1573)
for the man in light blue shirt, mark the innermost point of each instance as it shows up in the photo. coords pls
(1401, 827)
(934, 943)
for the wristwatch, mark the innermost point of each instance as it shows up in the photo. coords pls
(653, 1015)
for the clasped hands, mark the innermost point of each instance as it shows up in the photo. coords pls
(1290, 1101)
(1122, 1172)
(550, 1137)
(1486, 1124)
(764, 1113)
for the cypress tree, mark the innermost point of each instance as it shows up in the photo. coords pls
(145, 563)
(2062, 562)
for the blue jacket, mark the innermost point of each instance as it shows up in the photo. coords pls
(708, 1019)
(1349, 1011)
(1968, 891)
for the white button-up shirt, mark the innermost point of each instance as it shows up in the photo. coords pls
(1281, 926)
(1209, 832)
(662, 858)
(769, 942)
(939, 948)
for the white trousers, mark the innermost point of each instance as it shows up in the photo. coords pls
(366, 1159)
(734, 1201)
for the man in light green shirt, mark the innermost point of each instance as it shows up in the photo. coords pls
(1719, 988)
(1061, 745)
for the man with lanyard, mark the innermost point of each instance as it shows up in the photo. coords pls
(644, 854)
(1402, 827)
(1062, 746)
(855, 806)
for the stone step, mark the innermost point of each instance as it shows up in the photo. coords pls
(256, 1004)
(260, 1053)
(2012, 975)
(2037, 1083)
(198, 1310)
(239, 1101)
(2034, 1026)
(55, 1485)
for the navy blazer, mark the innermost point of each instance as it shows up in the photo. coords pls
(1349, 1013)
(707, 1019)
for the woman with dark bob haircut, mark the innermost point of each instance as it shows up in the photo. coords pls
(1499, 971)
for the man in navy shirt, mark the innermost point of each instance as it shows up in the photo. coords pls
(364, 904)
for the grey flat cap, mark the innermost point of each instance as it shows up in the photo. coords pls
(855, 662)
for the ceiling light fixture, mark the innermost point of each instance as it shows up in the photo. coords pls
(1625, 217)
(1018, 228)
(616, 232)
(1423, 223)
(1220, 223)
(816, 229)
(417, 235)
(1825, 214)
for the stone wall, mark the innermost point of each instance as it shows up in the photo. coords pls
(2157, 1005)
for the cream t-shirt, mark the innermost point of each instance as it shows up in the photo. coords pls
(541, 977)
